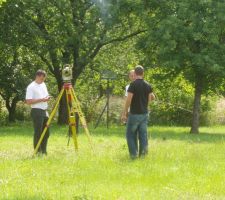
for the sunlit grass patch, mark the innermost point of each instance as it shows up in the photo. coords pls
(179, 165)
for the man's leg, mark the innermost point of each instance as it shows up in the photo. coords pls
(38, 120)
(46, 136)
(143, 135)
(131, 135)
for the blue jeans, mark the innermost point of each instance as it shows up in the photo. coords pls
(137, 130)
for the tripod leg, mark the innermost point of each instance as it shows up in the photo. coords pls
(72, 121)
(81, 115)
(100, 116)
(73, 130)
(49, 120)
(68, 103)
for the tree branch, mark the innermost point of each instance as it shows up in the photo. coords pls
(45, 60)
(119, 39)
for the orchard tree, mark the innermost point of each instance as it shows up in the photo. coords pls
(13, 74)
(187, 37)
(71, 31)
(17, 64)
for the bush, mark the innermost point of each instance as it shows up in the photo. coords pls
(3, 113)
(213, 111)
(93, 110)
(3, 117)
(22, 112)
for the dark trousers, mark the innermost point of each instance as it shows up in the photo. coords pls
(40, 119)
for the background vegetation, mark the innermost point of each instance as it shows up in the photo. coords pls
(180, 44)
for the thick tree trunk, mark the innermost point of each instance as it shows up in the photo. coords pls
(63, 112)
(196, 107)
(12, 115)
(11, 109)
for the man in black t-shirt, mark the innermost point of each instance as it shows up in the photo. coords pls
(140, 93)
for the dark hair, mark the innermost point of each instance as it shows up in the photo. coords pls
(40, 72)
(139, 70)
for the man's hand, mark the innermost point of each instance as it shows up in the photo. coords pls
(151, 97)
(46, 99)
(33, 101)
(124, 117)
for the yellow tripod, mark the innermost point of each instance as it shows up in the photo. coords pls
(73, 106)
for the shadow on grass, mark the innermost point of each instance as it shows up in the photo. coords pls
(159, 133)
(186, 136)
(26, 129)
(168, 133)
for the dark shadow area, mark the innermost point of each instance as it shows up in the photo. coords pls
(165, 133)
(26, 129)
(186, 136)
(159, 133)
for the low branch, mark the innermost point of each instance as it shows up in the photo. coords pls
(45, 60)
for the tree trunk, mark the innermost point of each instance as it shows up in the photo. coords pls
(63, 111)
(11, 109)
(12, 115)
(196, 107)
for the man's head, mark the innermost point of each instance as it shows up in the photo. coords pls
(139, 70)
(132, 75)
(40, 76)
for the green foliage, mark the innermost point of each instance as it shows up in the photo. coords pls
(66, 31)
(1, 2)
(187, 37)
(3, 114)
(16, 71)
(183, 38)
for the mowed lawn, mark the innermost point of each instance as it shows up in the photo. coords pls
(179, 165)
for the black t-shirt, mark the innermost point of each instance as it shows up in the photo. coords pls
(141, 90)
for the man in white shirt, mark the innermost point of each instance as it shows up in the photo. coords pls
(37, 97)
(132, 78)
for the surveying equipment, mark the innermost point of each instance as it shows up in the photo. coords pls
(67, 73)
(73, 106)
(106, 75)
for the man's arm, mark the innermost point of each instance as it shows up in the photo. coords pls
(127, 105)
(33, 101)
(151, 97)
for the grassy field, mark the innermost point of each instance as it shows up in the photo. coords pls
(179, 166)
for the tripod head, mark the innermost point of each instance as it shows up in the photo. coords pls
(67, 73)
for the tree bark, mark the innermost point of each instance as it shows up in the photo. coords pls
(196, 106)
(12, 115)
(11, 109)
(62, 111)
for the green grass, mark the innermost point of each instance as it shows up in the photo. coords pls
(179, 165)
